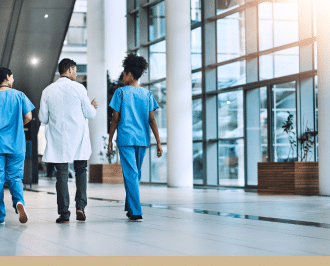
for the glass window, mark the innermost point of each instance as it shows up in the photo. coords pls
(158, 90)
(158, 165)
(196, 80)
(226, 5)
(231, 162)
(137, 29)
(196, 11)
(157, 21)
(198, 163)
(77, 32)
(278, 23)
(264, 124)
(284, 104)
(279, 64)
(136, 3)
(196, 48)
(197, 119)
(157, 62)
(230, 114)
(231, 37)
(232, 74)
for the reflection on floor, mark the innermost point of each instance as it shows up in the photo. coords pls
(176, 222)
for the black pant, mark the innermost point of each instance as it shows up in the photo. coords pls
(63, 198)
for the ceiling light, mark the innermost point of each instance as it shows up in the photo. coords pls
(228, 102)
(34, 61)
(46, 16)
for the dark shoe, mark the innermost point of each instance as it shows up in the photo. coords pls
(62, 220)
(135, 218)
(128, 215)
(80, 215)
(22, 215)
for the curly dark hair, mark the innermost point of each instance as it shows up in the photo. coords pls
(3, 73)
(137, 65)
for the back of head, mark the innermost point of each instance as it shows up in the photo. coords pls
(3, 73)
(137, 65)
(65, 64)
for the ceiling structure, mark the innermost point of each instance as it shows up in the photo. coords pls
(32, 33)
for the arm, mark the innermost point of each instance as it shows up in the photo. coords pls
(27, 118)
(43, 111)
(88, 107)
(154, 128)
(113, 127)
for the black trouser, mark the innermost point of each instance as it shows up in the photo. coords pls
(63, 198)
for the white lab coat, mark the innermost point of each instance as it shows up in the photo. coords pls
(64, 108)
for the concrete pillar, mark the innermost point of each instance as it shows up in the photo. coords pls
(115, 36)
(96, 75)
(323, 65)
(178, 94)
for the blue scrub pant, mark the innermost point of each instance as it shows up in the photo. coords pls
(11, 173)
(131, 160)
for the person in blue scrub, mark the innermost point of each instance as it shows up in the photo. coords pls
(15, 110)
(133, 113)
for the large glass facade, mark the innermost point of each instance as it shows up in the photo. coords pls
(250, 68)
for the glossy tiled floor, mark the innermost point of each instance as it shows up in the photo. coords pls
(176, 222)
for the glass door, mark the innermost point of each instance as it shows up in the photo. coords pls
(284, 112)
(256, 132)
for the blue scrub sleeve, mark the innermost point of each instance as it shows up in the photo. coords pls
(153, 105)
(116, 101)
(27, 106)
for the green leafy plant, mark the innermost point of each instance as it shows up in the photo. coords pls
(288, 128)
(306, 139)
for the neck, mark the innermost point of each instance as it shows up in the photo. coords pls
(134, 83)
(65, 76)
(4, 87)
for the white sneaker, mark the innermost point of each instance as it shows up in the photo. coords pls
(3, 223)
(23, 217)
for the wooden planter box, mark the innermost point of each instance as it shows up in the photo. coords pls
(288, 178)
(106, 173)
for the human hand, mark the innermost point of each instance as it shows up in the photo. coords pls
(94, 103)
(159, 150)
(110, 148)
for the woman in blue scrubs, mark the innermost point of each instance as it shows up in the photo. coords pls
(15, 110)
(133, 113)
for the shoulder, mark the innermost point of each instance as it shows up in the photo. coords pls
(79, 86)
(18, 93)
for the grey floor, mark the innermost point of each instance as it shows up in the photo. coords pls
(177, 222)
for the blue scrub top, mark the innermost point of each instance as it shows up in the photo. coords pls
(13, 106)
(134, 105)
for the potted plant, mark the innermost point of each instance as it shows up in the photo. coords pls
(291, 177)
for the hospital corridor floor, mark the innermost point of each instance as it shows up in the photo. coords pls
(176, 222)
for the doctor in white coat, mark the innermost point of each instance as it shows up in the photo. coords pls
(64, 109)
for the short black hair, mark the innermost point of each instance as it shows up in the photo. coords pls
(65, 64)
(137, 65)
(3, 73)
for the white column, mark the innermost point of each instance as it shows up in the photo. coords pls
(96, 75)
(178, 94)
(115, 36)
(323, 66)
